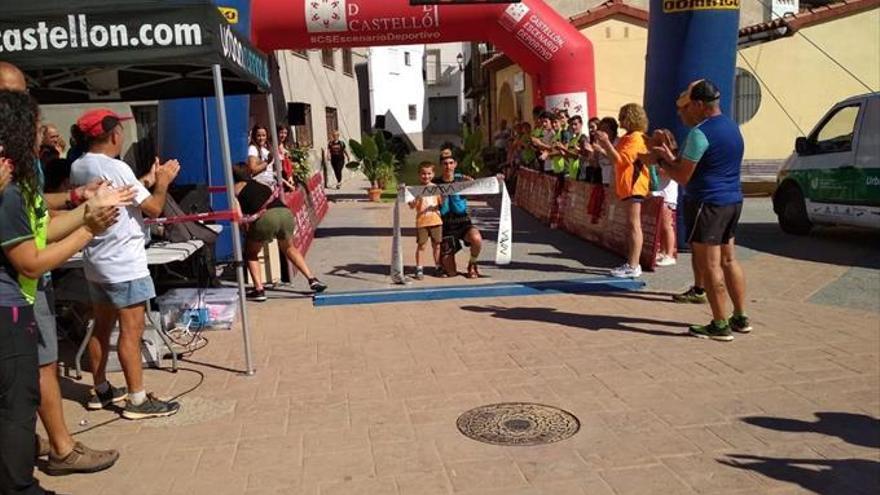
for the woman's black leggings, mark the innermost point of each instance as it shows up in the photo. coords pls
(338, 164)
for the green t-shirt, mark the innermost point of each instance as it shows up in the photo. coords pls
(573, 165)
(19, 223)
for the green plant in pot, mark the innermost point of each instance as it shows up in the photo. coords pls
(302, 171)
(374, 160)
(471, 162)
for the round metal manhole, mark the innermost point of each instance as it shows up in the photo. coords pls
(518, 423)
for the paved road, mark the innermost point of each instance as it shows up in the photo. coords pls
(364, 399)
(353, 250)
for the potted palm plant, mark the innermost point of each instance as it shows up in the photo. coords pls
(472, 162)
(374, 160)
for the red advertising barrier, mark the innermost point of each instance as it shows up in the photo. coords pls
(591, 212)
(317, 196)
(309, 206)
(536, 192)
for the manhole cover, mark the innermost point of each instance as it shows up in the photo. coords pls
(518, 423)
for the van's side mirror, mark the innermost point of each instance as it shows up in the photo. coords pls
(802, 146)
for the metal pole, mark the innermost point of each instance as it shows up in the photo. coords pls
(279, 169)
(230, 196)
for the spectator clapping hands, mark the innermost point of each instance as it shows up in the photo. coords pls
(167, 172)
(98, 220)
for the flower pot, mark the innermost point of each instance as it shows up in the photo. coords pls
(375, 194)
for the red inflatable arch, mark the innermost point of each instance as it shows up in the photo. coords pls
(543, 43)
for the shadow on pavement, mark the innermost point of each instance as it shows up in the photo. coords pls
(822, 476)
(857, 429)
(74, 390)
(582, 321)
(330, 232)
(833, 245)
(643, 295)
(353, 268)
(335, 197)
(556, 268)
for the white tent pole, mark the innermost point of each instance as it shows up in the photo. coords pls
(279, 169)
(230, 196)
(273, 132)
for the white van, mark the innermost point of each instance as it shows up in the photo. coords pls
(833, 177)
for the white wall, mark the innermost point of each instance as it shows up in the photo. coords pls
(444, 79)
(451, 80)
(307, 80)
(394, 86)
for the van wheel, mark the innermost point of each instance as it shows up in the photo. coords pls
(792, 212)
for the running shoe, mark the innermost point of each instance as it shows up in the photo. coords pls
(153, 407)
(420, 273)
(740, 323)
(691, 296)
(664, 260)
(257, 295)
(317, 286)
(626, 271)
(712, 331)
(113, 395)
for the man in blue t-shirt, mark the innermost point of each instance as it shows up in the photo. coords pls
(709, 168)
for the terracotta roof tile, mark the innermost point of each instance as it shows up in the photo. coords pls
(791, 23)
(608, 9)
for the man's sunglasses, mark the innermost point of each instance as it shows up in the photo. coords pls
(107, 124)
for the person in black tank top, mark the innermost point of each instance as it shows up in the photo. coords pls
(338, 156)
(275, 221)
(254, 196)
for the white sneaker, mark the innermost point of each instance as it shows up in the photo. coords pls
(666, 261)
(626, 271)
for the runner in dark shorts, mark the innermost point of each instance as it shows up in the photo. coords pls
(455, 234)
(709, 168)
(457, 226)
(710, 224)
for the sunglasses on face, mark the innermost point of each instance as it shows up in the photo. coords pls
(107, 124)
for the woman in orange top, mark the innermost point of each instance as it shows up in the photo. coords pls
(631, 179)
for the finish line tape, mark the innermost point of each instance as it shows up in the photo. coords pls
(474, 291)
(479, 187)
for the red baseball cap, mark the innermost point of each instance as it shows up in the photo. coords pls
(100, 121)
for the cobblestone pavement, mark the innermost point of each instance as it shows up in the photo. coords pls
(364, 399)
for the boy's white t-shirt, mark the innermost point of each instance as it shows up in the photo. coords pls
(266, 177)
(119, 254)
(607, 166)
(668, 190)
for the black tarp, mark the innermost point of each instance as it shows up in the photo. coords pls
(77, 51)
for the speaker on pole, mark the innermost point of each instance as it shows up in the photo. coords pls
(296, 113)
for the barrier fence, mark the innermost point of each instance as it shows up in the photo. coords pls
(309, 206)
(589, 211)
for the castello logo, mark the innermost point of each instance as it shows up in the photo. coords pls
(673, 6)
(326, 15)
